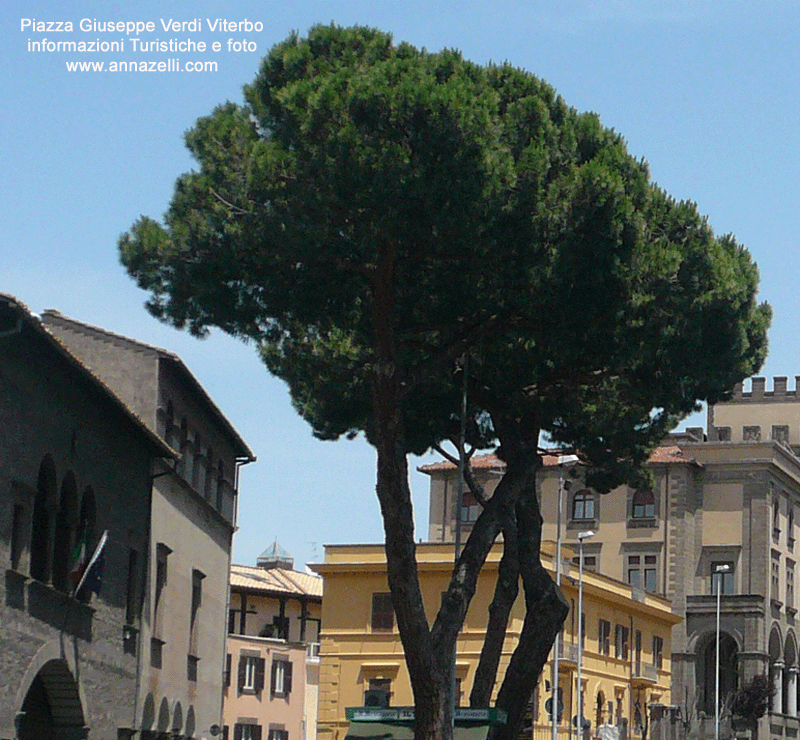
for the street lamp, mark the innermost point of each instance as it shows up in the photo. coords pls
(581, 537)
(718, 571)
(563, 486)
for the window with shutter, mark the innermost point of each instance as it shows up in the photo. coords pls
(281, 677)
(260, 669)
(227, 676)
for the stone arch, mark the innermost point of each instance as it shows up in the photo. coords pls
(177, 718)
(706, 664)
(52, 705)
(163, 716)
(65, 530)
(191, 722)
(776, 668)
(41, 524)
(149, 712)
(789, 698)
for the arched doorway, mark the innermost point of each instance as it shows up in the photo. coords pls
(52, 707)
(706, 670)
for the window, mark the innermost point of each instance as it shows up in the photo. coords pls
(789, 585)
(604, 637)
(583, 505)
(780, 433)
(276, 733)
(724, 434)
(220, 484)
(246, 732)
(226, 676)
(379, 693)
(583, 629)
(658, 651)
(589, 562)
(130, 595)
(776, 580)
(251, 673)
(724, 578)
(64, 536)
(208, 489)
(776, 518)
(621, 642)
(382, 612)
(156, 652)
(643, 505)
(790, 528)
(642, 572)
(470, 508)
(191, 667)
(162, 554)
(281, 677)
(751, 433)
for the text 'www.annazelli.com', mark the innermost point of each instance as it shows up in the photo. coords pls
(164, 65)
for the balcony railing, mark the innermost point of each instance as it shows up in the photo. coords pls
(567, 651)
(645, 672)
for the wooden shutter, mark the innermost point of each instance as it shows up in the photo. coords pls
(256, 732)
(259, 677)
(228, 669)
(287, 677)
(242, 672)
(273, 676)
(237, 730)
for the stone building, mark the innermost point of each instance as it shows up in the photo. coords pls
(721, 515)
(272, 675)
(75, 462)
(191, 519)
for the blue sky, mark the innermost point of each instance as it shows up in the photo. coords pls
(707, 92)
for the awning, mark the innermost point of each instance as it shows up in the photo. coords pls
(386, 731)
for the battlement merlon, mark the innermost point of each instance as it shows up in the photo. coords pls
(758, 392)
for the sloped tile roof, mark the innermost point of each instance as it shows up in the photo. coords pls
(276, 581)
(665, 454)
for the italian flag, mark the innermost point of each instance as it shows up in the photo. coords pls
(77, 561)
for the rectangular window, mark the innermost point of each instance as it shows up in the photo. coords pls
(162, 555)
(621, 642)
(281, 677)
(789, 585)
(583, 629)
(589, 562)
(382, 612)
(278, 734)
(191, 667)
(658, 651)
(130, 591)
(197, 601)
(246, 732)
(470, 508)
(251, 673)
(643, 505)
(604, 637)
(583, 505)
(156, 652)
(642, 572)
(723, 578)
(378, 693)
(776, 580)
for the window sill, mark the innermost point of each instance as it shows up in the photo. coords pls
(582, 524)
(642, 523)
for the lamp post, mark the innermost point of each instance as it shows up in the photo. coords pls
(718, 571)
(579, 717)
(563, 485)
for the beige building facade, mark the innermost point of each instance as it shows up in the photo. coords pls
(721, 514)
(626, 641)
(272, 666)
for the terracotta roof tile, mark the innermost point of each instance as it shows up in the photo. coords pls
(276, 580)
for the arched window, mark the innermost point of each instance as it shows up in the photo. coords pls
(64, 537)
(198, 466)
(41, 526)
(170, 431)
(643, 505)
(220, 484)
(583, 505)
(208, 489)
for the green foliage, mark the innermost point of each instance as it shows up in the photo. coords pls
(751, 701)
(467, 209)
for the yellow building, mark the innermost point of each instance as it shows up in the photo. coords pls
(626, 654)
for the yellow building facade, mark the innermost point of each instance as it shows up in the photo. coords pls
(626, 649)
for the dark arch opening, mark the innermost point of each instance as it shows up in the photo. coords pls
(64, 536)
(52, 706)
(40, 526)
(728, 671)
